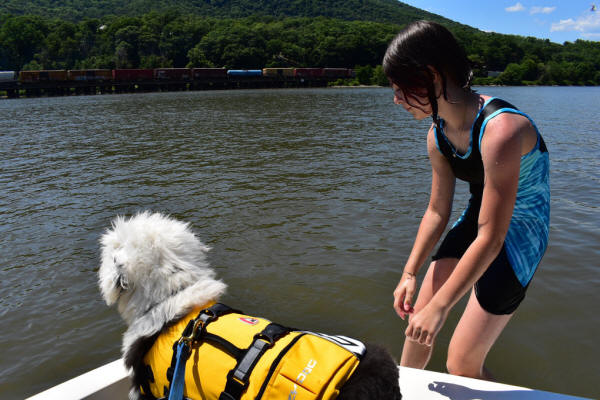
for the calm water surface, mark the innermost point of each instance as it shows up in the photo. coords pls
(310, 200)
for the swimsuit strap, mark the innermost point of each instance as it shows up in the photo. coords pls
(469, 167)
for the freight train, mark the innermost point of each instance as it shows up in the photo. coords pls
(171, 74)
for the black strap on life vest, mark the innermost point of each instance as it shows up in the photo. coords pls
(202, 320)
(238, 377)
(276, 362)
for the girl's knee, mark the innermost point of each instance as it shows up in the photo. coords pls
(454, 367)
(463, 365)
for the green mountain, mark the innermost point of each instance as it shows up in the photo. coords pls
(387, 11)
(83, 34)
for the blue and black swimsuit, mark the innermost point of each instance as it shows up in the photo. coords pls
(502, 287)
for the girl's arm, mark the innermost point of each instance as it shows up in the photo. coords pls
(501, 154)
(431, 228)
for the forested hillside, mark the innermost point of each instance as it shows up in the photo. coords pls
(389, 11)
(351, 34)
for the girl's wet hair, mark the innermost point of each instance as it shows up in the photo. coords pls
(418, 47)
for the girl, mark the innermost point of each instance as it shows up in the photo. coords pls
(496, 245)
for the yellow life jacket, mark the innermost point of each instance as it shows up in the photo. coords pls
(299, 365)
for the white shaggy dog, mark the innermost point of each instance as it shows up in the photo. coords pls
(154, 268)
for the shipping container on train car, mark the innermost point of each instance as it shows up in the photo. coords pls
(132, 75)
(278, 72)
(308, 72)
(173, 74)
(202, 73)
(244, 72)
(90, 75)
(43, 75)
(8, 76)
(29, 76)
(337, 72)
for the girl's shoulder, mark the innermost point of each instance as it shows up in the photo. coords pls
(504, 120)
(484, 98)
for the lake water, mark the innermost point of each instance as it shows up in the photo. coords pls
(310, 199)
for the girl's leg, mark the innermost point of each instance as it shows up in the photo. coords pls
(416, 355)
(473, 338)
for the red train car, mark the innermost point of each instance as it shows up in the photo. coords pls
(200, 73)
(43, 75)
(337, 72)
(132, 75)
(308, 72)
(173, 74)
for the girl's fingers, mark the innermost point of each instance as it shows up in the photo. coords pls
(422, 337)
(408, 301)
(408, 332)
(429, 340)
(399, 296)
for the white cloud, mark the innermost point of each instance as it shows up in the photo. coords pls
(563, 25)
(542, 10)
(516, 8)
(533, 10)
(588, 24)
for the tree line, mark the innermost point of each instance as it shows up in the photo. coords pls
(172, 39)
(388, 11)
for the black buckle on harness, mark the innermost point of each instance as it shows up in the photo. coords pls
(238, 377)
(194, 331)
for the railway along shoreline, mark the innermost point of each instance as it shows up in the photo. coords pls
(47, 83)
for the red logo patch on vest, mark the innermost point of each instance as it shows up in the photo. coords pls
(249, 321)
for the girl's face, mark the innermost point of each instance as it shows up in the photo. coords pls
(416, 104)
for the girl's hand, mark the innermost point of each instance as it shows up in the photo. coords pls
(424, 326)
(404, 293)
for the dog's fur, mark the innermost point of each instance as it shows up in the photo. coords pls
(154, 268)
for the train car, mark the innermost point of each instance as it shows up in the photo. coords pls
(43, 75)
(8, 76)
(308, 72)
(173, 74)
(90, 75)
(278, 72)
(203, 73)
(132, 75)
(337, 72)
(244, 72)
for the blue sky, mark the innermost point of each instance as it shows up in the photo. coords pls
(557, 20)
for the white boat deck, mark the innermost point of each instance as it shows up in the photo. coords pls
(416, 384)
(110, 382)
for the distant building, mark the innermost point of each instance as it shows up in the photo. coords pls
(493, 74)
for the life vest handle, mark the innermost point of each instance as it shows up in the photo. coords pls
(238, 378)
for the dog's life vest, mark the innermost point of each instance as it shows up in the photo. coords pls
(299, 365)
